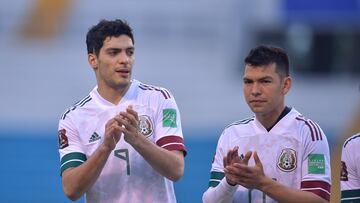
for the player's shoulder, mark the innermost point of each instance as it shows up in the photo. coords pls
(239, 128)
(310, 126)
(243, 123)
(80, 104)
(153, 90)
(303, 121)
(353, 140)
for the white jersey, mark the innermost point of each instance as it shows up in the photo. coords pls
(126, 176)
(350, 170)
(294, 152)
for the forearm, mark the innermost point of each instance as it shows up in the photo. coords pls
(78, 180)
(222, 193)
(168, 163)
(281, 193)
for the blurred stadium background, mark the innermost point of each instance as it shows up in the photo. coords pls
(195, 49)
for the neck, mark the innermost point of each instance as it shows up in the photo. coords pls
(269, 119)
(113, 95)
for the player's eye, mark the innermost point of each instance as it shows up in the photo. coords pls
(130, 52)
(113, 52)
(246, 81)
(266, 81)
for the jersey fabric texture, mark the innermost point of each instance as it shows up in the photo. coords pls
(350, 170)
(126, 176)
(294, 152)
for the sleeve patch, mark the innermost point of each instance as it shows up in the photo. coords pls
(63, 140)
(344, 172)
(169, 118)
(316, 164)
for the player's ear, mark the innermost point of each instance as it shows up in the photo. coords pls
(93, 61)
(287, 82)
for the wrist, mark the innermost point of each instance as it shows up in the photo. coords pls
(230, 182)
(135, 140)
(105, 149)
(266, 183)
(229, 189)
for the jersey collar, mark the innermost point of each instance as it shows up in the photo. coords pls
(128, 97)
(280, 122)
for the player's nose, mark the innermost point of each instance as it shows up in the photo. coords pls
(123, 58)
(255, 90)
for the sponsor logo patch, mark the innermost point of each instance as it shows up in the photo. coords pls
(344, 172)
(63, 140)
(145, 125)
(287, 160)
(316, 164)
(94, 137)
(169, 118)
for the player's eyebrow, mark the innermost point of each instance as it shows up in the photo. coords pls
(119, 49)
(254, 79)
(262, 78)
(266, 78)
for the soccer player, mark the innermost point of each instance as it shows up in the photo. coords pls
(123, 142)
(350, 170)
(276, 156)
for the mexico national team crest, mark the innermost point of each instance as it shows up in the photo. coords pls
(287, 160)
(145, 125)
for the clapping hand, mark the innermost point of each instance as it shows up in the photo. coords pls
(243, 174)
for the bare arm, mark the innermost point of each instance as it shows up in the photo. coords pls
(282, 193)
(77, 180)
(254, 177)
(168, 163)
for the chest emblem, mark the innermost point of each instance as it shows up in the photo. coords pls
(287, 160)
(145, 125)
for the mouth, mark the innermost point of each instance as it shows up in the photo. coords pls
(257, 101)
(123, 72)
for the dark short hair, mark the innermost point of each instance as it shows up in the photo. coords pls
(265, 55)
(105, 28)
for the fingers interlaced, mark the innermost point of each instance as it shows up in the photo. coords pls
(131, 111)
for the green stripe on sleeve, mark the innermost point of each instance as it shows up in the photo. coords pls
(73, 159)
(350, 196)
(215, 178)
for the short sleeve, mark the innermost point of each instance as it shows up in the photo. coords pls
(316, 171)
(70, 147)
(350, 167)
(168, 124)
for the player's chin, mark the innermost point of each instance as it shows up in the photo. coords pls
(257, 108)
(122, 83)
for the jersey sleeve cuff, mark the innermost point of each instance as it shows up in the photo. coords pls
(172, 142)
(320, 188)
(73, 159)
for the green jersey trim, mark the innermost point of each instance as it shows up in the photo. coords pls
(215, 178)
(350, 196)
(73, 159)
